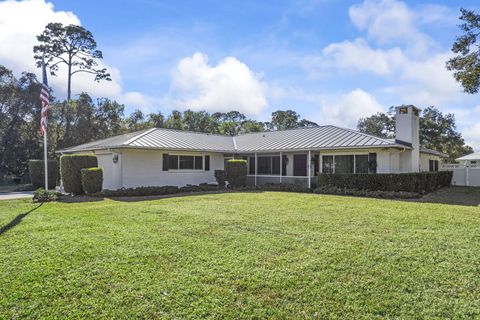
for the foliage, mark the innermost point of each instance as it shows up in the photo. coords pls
(241, 255)
(72, 46)
(157, 191)
(380, 194)
(438, 131)
(466, 64)
(92, 179)
(220, 177)
(236, 171)
(41, 195)
(36, 168)
(410, 182)
(19, 122)
(70, 170)
(288, 119)
(285, 187)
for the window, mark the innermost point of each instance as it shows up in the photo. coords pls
(172, 162)
(175, 162)
(344, 164)
(251, 165)
(327, 164)
(361, 163)
(266, 165)
(433, 165)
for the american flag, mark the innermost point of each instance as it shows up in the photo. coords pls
(44, 100)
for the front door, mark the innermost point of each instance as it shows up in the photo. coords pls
(300, 165)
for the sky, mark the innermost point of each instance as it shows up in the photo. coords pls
(331, 61)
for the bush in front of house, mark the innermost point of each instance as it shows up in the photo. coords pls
(285, 187)
(41, 195)
(92, 179)
(236, 171)
(332, 190)
(70, 167)
(139, 191)
(221, 177)
(36, 169)
(419, 182)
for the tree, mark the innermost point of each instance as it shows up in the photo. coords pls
(437, 131)
(282, 120)
(19, 122)
(73, 46)
(136, 121)
(157, 120)
(466, 65)
(380, 125)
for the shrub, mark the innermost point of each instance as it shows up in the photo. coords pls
(236, 172)
(221, 177)
(36, 168)
(139, 191)
(409, 182)
(92, 179)
(287, 187)
(202, 187)
(367, 193)
(70, 166)
(41, 195)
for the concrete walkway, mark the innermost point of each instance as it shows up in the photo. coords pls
(15, 195)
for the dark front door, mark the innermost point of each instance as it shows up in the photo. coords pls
(300, 165)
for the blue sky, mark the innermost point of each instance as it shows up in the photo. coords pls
(331, 61)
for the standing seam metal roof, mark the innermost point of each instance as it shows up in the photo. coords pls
(321, 137)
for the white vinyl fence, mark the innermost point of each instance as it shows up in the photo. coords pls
(464, 175)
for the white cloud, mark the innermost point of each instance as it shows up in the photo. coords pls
(390, 21)
(359, 56)
(472, 136)
(22, 21)
(229, 85)
(346, 109)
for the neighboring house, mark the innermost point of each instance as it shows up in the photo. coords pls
(157, 157)
(473, 158)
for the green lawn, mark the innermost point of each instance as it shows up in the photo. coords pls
(240, 255)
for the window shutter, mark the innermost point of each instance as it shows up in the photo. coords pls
(372, 162)
(207, 163)
(165, 162)
(316, 164)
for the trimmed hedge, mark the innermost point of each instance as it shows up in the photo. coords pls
(420, 182)
(92, 179)
(236, 170)
(221, 177)
(36, 169)
(157, 191)
(367, 193)
(41, 195)
(70, 166)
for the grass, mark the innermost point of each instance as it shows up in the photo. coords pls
(240, 255)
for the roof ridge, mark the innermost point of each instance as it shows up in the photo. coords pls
(196, 132)
(138, 136)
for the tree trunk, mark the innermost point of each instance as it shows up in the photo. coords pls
(69, 86)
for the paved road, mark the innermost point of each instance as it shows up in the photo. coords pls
(15, 195)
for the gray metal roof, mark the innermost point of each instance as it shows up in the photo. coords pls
(322, 137)
(434, 152)
(471, 156)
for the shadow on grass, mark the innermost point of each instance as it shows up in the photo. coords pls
(17, 220)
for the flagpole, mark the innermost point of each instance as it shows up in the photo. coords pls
(45, 150)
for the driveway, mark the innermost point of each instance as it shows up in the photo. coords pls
(15, 195)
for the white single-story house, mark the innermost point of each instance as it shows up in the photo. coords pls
(472, 158)
(157, 157)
